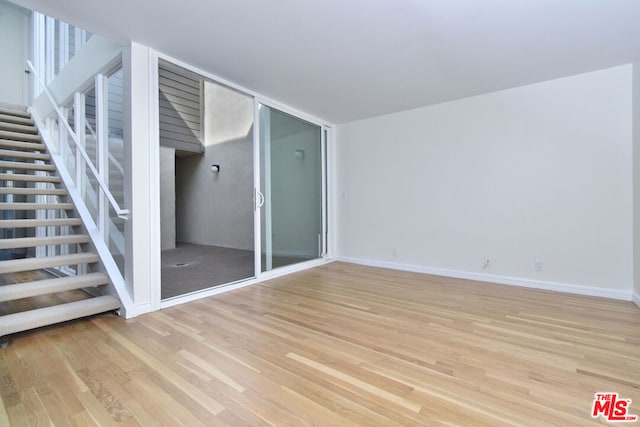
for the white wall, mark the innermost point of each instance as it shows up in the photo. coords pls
(540, 172)
(636, 182)
(13, 23)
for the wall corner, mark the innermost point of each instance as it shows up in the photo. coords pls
(635, 114)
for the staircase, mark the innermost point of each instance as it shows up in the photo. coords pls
(29, 184)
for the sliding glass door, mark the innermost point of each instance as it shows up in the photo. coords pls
(218, 147)
(291, 189)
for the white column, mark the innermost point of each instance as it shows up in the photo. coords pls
(102, 150)
(80, 129)
(142, 181)
(63, 45)
(265, 133)
(49, 57)
(38, 50)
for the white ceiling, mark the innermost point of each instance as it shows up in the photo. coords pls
(343, 60)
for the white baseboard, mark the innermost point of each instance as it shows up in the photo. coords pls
(636, 299)
(135, 311)
(502, 280)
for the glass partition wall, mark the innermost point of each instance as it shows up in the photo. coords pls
(291, 165)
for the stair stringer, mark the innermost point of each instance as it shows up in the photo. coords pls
(127, 309)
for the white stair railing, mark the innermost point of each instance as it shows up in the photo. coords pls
(97, 230)
(122, 213)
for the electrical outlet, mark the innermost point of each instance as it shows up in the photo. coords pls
(538, 265)
(487, 263)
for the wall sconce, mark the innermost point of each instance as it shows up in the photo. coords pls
(299, 154)
(215, 168)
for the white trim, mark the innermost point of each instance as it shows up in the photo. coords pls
(63, 45)
(136, 310)
(49, 43)
(257, 225)
(102, 148)
(332, 211)
(49, 46)
(265, 143)
(79, 119)
(39, 52)
(278, 272)
(155, 245)
(324, 185)
(635, 297)
(502, 280)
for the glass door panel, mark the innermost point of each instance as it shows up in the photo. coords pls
(291, 185)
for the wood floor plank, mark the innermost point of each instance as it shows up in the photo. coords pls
(34, 406)
(179, 382)
(163, 408)
(336, 345)
(4, 418)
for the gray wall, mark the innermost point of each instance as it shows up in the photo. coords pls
(217, 208)
(168, 197)
(13, 26)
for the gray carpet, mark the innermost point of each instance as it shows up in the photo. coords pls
(190, 268)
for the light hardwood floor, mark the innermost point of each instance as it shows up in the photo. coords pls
(337, 345)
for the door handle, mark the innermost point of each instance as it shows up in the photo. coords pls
(259, 199)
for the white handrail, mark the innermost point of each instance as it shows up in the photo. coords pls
(122, 213)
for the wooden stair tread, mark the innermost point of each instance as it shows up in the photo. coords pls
(8, 118)
(28, 264)
(19, 128)
(19, 136)
(28, 223)
(31, 242)
(48, 286)
(34, 146)
(18, 322)
(7, 164)
(33, 191)
(29, 178)
(14, 154)
(31, 206)
(15, 112)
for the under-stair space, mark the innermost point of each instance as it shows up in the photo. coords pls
(39, 230)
